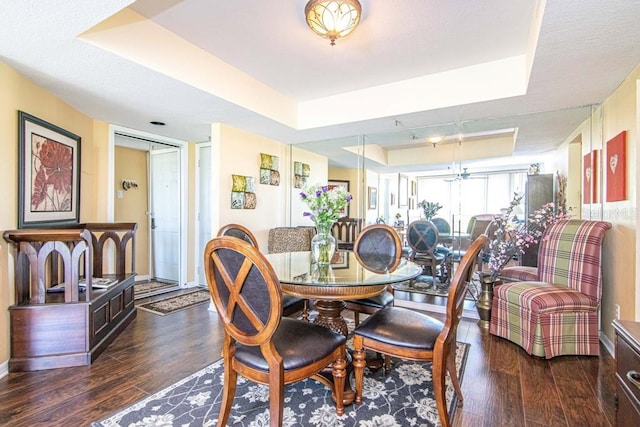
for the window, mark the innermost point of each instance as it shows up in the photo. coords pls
(478, 194)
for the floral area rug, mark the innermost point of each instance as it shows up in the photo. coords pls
(149, 288)
(404, 397)
(176, 303)
(424, 285)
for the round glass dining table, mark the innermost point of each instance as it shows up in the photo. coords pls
(329, 286)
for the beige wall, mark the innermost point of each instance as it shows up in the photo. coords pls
(620, 275)
(238, 152)
(131, 164)
(619, 112)
(19, 93)
(319, 170)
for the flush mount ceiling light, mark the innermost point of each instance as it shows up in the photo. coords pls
(333, 19)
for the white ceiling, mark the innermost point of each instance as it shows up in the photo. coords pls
(411, 68)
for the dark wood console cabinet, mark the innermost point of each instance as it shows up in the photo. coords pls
(539, 191)
(73, 326)
(627, 373)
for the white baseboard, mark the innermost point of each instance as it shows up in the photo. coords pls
(192, 284)
(423, 306)
(608, 344)
(141, 277)
(4, 369)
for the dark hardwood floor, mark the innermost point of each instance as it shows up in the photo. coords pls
(502, 385)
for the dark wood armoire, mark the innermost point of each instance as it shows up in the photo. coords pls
(539, 190)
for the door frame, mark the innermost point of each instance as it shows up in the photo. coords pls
(200, 219)
(182, 145)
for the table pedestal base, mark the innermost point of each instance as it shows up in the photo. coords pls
(330, 316)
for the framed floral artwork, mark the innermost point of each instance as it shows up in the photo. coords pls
(48, 174)
(339, 183)
(616, 166)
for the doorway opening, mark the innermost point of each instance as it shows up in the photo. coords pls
(148, 188)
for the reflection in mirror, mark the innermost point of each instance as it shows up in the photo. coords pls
(471, 167)
(345, 166)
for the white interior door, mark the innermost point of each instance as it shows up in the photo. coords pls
(204, 207)
(165, 213)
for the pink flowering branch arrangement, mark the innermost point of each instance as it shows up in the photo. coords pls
(511, 237)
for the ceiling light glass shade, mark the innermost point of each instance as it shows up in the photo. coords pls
(333, 19)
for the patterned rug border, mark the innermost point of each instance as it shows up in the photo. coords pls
(114, 419)
(148, 306)
(155, 287)
(427, 289)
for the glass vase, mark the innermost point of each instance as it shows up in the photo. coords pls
(323, 245)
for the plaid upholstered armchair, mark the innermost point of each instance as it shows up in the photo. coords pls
(556, 310)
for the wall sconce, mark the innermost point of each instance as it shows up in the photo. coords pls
(129, 183)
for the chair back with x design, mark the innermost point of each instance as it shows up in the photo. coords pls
(245, 291)
(378, 248)
(422, 236)
(239, 231)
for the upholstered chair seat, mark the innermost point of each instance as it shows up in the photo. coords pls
(399, 326)
(297, 352)
(379, 301)
(292, 305)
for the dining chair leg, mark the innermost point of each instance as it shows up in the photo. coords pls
(356, 318)
(276, 398)
(451, 368)
(359, 363)
(339, 373)
(228, 393)
(439, 374)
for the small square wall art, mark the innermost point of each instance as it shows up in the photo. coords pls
(243, 194)
(301, 171)
(269, 169)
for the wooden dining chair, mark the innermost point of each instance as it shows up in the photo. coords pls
(290, 304)
(422, 237)
(258, 341)
(377, 248)
(346, 231)
(409, 334)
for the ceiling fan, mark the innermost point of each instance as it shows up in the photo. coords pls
(464, 175)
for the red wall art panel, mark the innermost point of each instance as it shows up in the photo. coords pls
(616, 165)
(590, 178)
